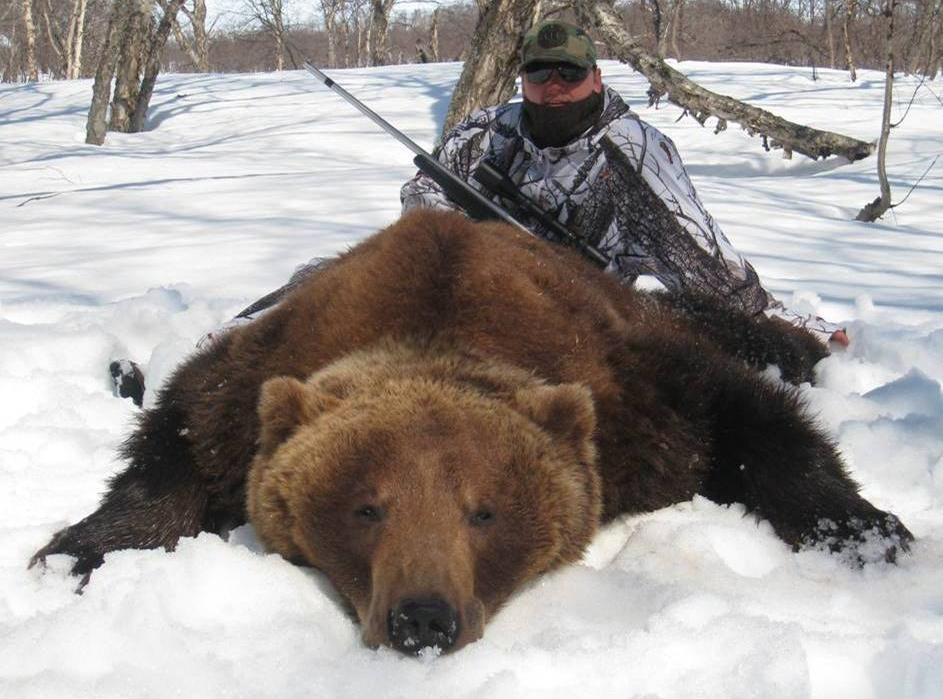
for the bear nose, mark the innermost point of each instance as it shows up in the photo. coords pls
(415, 624)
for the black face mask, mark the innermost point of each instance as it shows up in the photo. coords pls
(558, 126)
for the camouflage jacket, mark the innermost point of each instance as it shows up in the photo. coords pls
(623, 188)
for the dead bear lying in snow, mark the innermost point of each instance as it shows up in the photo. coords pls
(451, 409)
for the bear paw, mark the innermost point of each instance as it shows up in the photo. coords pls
(68, 542)
(862, 540)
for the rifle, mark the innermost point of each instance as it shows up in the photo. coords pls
(476, 205)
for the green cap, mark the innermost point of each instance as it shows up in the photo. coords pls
(553, 41)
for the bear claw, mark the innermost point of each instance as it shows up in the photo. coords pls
(85, 561)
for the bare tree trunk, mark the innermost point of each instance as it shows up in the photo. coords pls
(923, 25)
(9, 70)
(878, 207)
(200, 37)
(363, 41)
(68, 49)
(701, 103)
(676, 20)
(29, 27)
(152, 64)
(130, 63)
(935, 49)
(96, 125)
(77, 38)
(850, 8)
(345, 28)
(654, 7)
(828, 12)
(809, 41)
(330, 9)
(277, 28)
(491, 64)
(279, 51)
(379, 31)
(54, 40)
(271, 15)
(434, 36)
(198, 49)
(926, 53)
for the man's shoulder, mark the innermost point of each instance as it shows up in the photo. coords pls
(509, 113)
(625, 123)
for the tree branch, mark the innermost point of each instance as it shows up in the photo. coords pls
(702, 103)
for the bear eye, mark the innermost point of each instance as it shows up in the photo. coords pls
(482, 517)
(369, 513)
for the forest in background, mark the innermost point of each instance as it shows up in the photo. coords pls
(62, 39)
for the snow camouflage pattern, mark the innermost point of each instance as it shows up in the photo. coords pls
(623, 188)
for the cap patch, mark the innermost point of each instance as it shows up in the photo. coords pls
(551, 36)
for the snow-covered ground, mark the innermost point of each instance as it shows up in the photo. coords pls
(137, 248)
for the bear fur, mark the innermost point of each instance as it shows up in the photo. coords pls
(451, 409)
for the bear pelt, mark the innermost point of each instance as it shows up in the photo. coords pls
(451, 409)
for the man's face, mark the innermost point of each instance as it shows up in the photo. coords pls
(557, 91)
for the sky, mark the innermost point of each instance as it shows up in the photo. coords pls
(138, 248)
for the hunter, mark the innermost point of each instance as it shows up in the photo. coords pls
(573, 147)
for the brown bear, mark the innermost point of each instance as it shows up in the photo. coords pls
(451, 409)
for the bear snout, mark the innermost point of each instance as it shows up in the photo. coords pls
(414, 624)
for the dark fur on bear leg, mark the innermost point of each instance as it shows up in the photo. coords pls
(151, 504)
(769, 455)
(765, 452)
(757, 340)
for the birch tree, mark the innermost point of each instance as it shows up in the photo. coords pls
(76, 38)
(154, 49)
(96, 124)
(492, 59)
(926, 57)
(332, 11)
(29, 34)
(130, 56)
(271, 15)
(851, 7)
(197, 45)
(434, 36)
(379, 31)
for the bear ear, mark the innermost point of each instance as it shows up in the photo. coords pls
(284, 405)
(565, 411)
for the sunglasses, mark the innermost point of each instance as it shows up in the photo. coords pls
(539, 73)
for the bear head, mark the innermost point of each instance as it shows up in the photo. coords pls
(427, 485)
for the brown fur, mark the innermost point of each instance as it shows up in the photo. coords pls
(426, 277)
(429, 437)
(451, 409)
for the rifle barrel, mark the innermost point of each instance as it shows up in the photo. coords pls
(476, 204)
(461, 192)
(365, 110)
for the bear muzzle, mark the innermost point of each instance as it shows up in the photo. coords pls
(430, 622)
(419, 621)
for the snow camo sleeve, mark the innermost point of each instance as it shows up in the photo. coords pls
(665, 231)
(460, 151)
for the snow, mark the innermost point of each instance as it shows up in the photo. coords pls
(138, 248)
